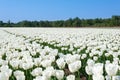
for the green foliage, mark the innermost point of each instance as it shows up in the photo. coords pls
(4, 57)
(75, 22)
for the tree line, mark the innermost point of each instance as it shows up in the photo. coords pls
(71, 22)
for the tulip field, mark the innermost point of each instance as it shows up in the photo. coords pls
(59, 54)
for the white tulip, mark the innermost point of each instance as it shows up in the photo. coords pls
(98, 77)
(48, 72)
(19, 75)
(115, 77)
(95, 58)
(90, 62)
(61, 63)
(107, 62)
(54, 52)
(41, 78)
(27, 65)
(61, 55)
(108, 77)
(75, 66)
(4, 76)
(71, 77)
(5, 69)
(52, 58)
(59, 74)
(14, 63)
(46, 63)
(36, 72)
(111, 69)
(71, 58)
(37, 61)
(91, 54)
(107, 54)
(98, 69)
(88, 70)
(3, 62)
(68, 58)
(83, 56)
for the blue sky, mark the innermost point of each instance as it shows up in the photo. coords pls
(18, 10)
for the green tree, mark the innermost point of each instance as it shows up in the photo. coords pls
(68, 23)
(76, 22)
(8, 24)
(1, 24)
(25, 23)
(116, 20)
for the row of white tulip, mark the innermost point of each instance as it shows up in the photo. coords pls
(64, 54)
